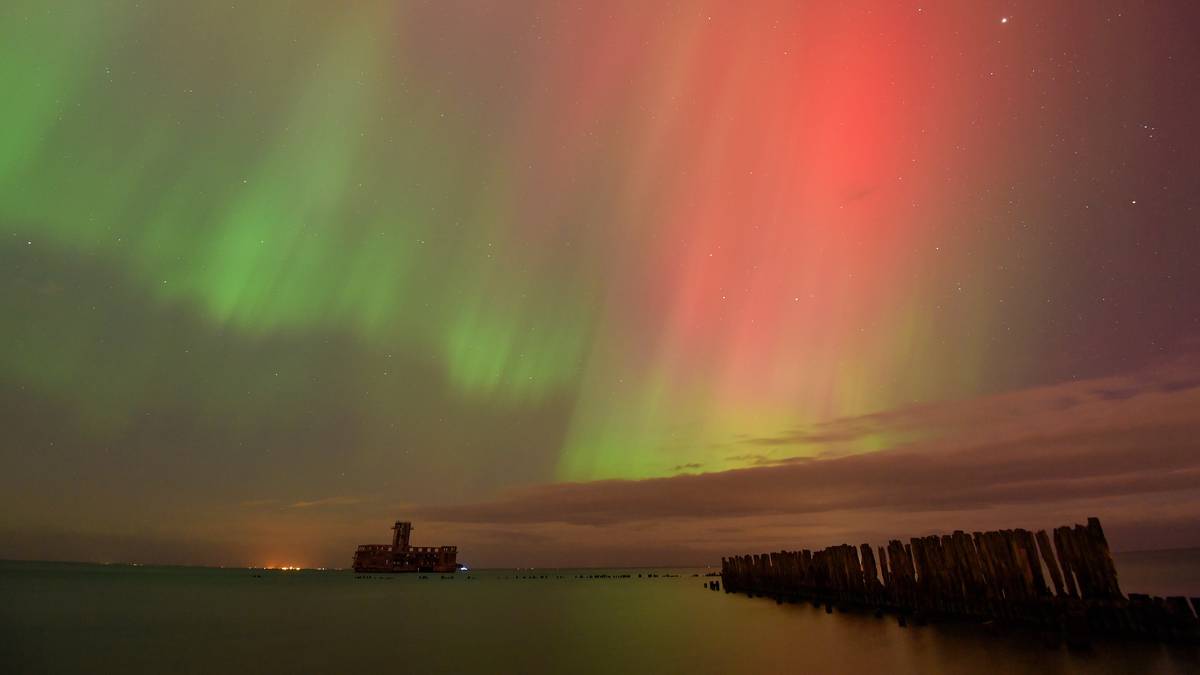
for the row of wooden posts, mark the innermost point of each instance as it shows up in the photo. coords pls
(998, 575)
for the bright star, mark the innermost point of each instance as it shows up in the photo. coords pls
(1004, 19)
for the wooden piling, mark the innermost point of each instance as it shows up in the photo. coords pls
(995, 575)
(1043, 542)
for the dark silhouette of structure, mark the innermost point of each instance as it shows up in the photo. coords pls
(400, 556)
(1000, 575)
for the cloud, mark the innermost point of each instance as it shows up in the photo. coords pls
(327, 501)
(1053, 449)
(341, 500)
(1035, 458)
(1005, 414)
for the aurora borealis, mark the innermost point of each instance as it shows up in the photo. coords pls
(284, 267)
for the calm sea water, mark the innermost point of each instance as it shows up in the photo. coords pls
(76, 618)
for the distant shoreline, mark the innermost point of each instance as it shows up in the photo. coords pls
(473, 569)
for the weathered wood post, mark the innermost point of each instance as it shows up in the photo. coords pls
(1043, 542)
(985, 575)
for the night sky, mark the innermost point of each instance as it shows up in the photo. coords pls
(593, 283)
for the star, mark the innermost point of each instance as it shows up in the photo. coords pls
(1004, 19)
